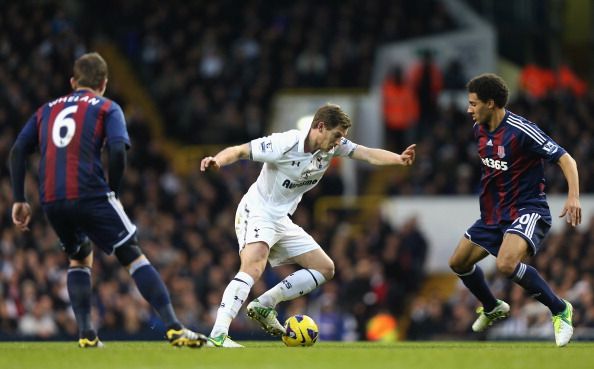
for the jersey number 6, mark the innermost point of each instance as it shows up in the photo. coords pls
(64, 121)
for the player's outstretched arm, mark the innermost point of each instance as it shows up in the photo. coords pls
(227, 156)
(384, 157)
(572, 207)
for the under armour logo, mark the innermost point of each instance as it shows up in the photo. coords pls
(287, 284)
(236, 298)
(295, 163)
(257, 230)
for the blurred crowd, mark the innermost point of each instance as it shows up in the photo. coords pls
(218, 72)
(217, 64)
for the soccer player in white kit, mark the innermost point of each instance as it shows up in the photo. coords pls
(294, 162)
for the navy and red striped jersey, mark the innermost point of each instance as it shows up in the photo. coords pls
(513, 158)
(70, 133)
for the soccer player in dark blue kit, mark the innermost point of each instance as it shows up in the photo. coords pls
(79, 203)
(515, 216)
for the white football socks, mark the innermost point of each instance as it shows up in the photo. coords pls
(234, 296)
(297, 284)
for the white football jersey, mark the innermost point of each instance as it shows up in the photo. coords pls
(288, 172)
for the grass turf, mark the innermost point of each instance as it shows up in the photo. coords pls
(324, 355)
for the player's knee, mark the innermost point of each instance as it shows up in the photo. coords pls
(83, 256)
(455, 265)
(253, 259)
(127, 253)
(505, 266)
(84, 263)
(328, 270)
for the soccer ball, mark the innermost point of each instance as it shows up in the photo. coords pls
(301, 331)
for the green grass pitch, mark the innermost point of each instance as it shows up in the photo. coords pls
(324, 355)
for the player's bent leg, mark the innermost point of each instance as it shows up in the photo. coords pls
(463, 263)
(513, 250)
(265, 315)
(151, 287)
(318, 268)
(319, 261)
(465, 256)
(254, 257)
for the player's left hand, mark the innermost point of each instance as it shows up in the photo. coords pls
(209, 162)
(408, 155)
(21, 215)
(573, 210)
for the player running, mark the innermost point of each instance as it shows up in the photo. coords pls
(515, 215)
(79, 203)
(294, 163)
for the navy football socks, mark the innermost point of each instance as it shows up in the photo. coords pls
(527, 277)
(475, 282)
(153, 289)
(78, 282)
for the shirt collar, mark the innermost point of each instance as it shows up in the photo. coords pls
(302, 137)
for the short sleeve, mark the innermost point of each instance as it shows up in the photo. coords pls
(345, 148)
(539, 143)
(271, 148)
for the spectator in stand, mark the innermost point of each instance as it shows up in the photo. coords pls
(568, 80)
(400, 109)
(426, 79)
(537, 81)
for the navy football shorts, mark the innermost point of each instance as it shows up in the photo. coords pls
(530, 225)
(101, 219)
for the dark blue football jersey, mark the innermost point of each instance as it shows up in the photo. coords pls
(70, 133)
(512, 159)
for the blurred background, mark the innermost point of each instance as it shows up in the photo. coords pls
(195, 76)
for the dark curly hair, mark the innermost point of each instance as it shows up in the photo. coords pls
(489, 86)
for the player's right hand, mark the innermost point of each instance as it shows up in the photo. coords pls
(209, 162)
(21, 215)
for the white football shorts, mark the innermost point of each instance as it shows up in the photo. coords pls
(284, 238)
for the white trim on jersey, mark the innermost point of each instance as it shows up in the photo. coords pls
(526, 128)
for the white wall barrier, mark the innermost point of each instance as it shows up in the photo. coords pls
(444, 219)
